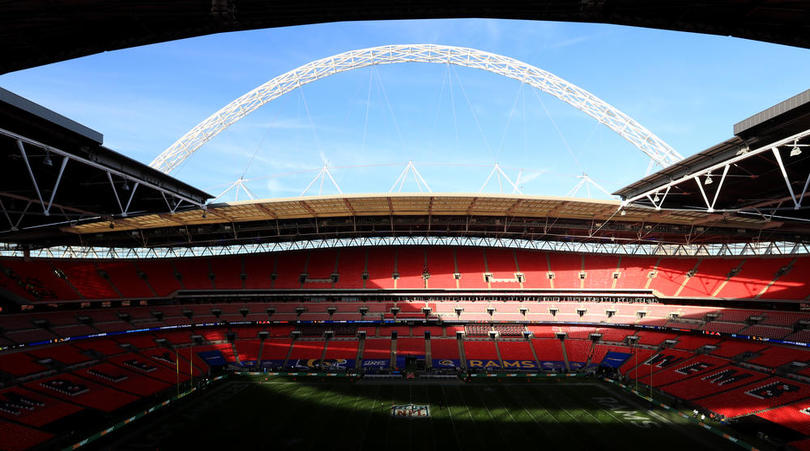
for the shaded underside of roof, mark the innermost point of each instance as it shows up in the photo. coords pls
(753, 185)
(425, 214)
(36, 32)
(56, 171)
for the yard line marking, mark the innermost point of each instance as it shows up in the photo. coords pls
(452, 421)
(369, 412)
(492, 417)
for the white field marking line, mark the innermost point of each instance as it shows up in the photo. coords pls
(588, 434)
(388, 420)
(410, 423)
(504, 408)
(388, 436)
(548, 412)
(431, 418)
(330, 396)
(354, 404)
(288, 388)
(531, 415)
(525, 409)
(450, 413)
(481, 398)
(566, 412)
(588, 412)
(369, 412)
(485, 405)
(638, 406)
(464, 401)
(660, 417)
(469, 412)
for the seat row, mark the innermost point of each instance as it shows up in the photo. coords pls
(408, 267)
(26, 328)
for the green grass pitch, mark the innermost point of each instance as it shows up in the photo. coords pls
(301, 415)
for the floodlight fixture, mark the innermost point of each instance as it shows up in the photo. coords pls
(795, 151)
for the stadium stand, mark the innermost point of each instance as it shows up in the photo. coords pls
(515, 350)
(377, 348)
(71, 388)
(672, 277)
(793, 416)
(341, 349)
(480, 350)
(578, 350)
(713, 382)
(444, 348)
(472, 267)
(17, 437)
(410, 346)
(380, 267)
(756, 397)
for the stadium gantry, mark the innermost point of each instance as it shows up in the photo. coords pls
(689, 292)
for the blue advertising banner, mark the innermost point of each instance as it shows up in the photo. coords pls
(615, 359)
(213, 358)
(507, 364)
(376, 363)
(336, 364)
(446, 363)
(553, 365)
(272, 363)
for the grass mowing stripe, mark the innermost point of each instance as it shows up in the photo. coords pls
(298, 430)
(452, 420)
(498, 430)
(616, 433)
(281, 392)
(423, 428)
(325, 439)
(530, 417)
(370, 403)
(471, 431)
(504, 423)
(410, 424)
(437, 437)
(520, 418)
(541, 396)
(344, 433)
(565, 432)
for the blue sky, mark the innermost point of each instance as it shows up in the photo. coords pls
(454, 123)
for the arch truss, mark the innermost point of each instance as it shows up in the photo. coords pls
(652, 146)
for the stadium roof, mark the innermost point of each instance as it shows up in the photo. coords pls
(56, 171)
(762, 171)
(423, 214)
(36, 32)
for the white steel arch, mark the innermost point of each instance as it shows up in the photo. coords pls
(655, 148)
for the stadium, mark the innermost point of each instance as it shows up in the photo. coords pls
(139, 311)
